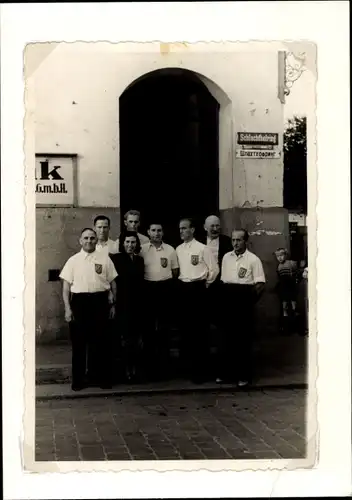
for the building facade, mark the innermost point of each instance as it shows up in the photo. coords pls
(155, 127)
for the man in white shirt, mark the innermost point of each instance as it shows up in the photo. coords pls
(198, 269)
(160, 270)
(102, 229)
(89, 294)
(132, 221)
(243, 281)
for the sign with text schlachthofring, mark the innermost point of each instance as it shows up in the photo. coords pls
(257, 145)
(258, 138)
(54, 179)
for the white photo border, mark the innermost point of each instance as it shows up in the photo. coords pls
(324, 23)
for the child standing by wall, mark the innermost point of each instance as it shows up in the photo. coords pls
(287, 285)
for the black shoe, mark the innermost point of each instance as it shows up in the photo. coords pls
(105, 385)
(245, 382)
(242, 383)
(92, 382)
(198, 380)
(77, 387)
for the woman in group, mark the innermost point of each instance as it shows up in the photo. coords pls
(130, 279)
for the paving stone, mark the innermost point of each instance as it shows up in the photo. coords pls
(68, 457)
(216, 425)
(216, 454)
(118, 456)
(145, 456)
(190, 455)
(48, 452)
(92, 453)
(45, 457)
(267, 455)
(167, 456)
(289, 453)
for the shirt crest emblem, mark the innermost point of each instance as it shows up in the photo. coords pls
(163, 261)
(98, 268)
(242, 272)
(194, 260)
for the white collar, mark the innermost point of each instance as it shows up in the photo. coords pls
(103, 243)
(188, 243)
(150, 245)
(87, 254)
(241, 254)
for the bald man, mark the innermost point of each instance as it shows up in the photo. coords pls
(218, 243)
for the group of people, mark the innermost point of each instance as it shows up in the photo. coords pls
(134, 289)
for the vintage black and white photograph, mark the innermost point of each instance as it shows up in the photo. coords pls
(171, 236)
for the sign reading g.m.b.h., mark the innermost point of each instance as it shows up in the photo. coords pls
(258, 138)
(54, 176)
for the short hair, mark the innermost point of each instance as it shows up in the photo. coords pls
(132, 212)
(244, 231)
(88, 229)
(126, 234)
(155, 223)
(281, 250)
(101, 217)
(190, 220)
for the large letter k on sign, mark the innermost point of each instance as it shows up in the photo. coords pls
(45, 174)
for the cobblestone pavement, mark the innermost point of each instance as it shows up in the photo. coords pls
(240, 425)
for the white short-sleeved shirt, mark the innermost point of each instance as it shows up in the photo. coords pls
(109, 246)
(244, 269)
(89, 272)
(143, 240)
(214, 247)
(196, 262)
(158, 262)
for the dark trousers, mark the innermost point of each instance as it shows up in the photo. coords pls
(160, 301)
(235, 356)
(129, 327)
(90, 337)
(194, 328)
(213, 294)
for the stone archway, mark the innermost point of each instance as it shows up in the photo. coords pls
(172, 131)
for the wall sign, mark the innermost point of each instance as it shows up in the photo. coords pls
(258, 138)
(257, 153)
(55, 179)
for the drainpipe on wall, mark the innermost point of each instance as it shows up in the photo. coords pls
(281, 76)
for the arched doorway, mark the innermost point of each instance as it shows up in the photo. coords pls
(169, 149)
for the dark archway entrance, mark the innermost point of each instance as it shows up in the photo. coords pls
(169, 149)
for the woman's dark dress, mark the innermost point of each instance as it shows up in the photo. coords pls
(129, 303)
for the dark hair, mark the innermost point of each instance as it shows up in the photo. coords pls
(155, 223)
(244, 231)
(123, 236)
(132, 212)
(101, 217)
(190, 220)
(88, 229)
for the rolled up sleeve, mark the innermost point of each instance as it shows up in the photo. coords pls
(212, 265)
(258, 271)
(224, 266)
(67, 272)
(174, 261)
(111, 273)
